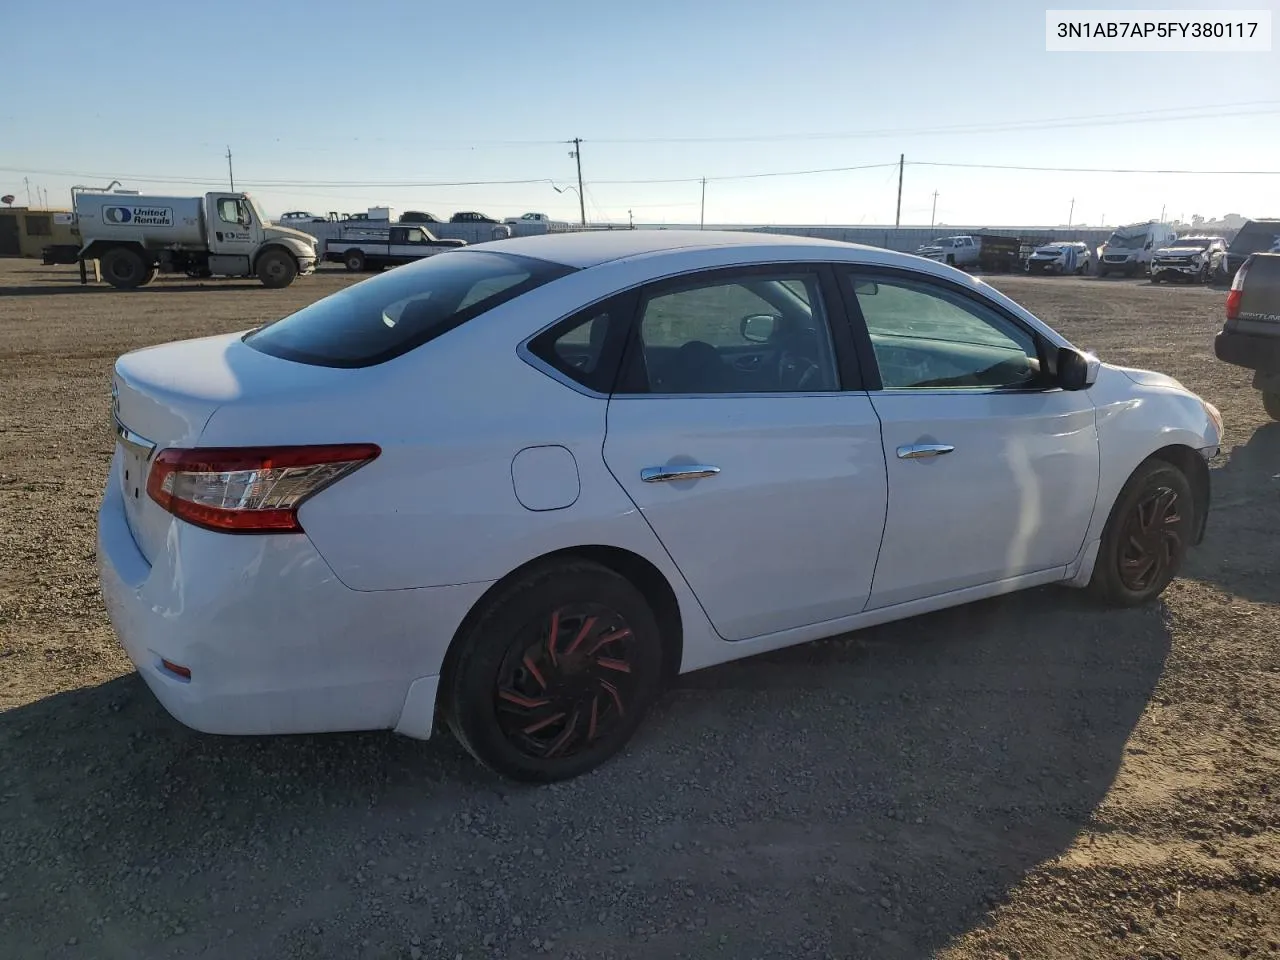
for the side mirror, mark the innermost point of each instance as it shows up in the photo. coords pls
(866, 288)
(758, 327)
(1076, 370)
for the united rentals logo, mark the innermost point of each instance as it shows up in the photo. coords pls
(139, 216)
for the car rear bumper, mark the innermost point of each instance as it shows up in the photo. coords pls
(274, 642)
(1250, 351)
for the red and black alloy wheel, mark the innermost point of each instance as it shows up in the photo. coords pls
(568, 683)
(555, 673)
(1152, 539)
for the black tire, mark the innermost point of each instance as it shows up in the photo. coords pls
(353, 260)
(125, 269)
(506, 671)
(1146, 536)
(1102, 271)
(1203, 275)
(950, 260)
(1155, 278)
(277, 268)
(1271, 403)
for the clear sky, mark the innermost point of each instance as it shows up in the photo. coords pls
(423, 92)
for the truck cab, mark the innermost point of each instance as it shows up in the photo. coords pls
(957, 251)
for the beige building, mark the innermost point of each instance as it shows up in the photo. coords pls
(24, 232)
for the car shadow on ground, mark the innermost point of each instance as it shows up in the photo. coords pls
(870, 795)
(1239, 552)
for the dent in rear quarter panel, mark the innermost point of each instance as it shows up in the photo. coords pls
(1135, 421)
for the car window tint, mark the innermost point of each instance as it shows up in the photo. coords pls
(577, 347)
(929, 337)
(383, 317)
(758, 334)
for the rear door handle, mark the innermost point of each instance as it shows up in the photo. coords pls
(923, 451)
(692, 471)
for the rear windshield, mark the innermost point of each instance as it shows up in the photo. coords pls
(388, 315)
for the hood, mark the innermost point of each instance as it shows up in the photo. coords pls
(1048, 252)
(1180, 251)
(1149, 378)
(272, 230)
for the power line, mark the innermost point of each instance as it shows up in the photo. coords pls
(1158, 115)
(1008, 166)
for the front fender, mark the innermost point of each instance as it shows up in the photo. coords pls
(1139, 414)
(301, 250)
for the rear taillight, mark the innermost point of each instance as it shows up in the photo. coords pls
(249, 489)
(1237, 285)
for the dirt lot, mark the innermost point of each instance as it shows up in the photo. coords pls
(1029, 777)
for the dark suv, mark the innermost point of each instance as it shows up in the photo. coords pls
(1251, 336)
(470, 216)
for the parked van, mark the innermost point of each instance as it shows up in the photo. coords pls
(1130, 248)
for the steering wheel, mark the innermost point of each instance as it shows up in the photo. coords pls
(796, 371)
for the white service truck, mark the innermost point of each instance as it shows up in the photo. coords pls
(1130, 248)
(135, 237)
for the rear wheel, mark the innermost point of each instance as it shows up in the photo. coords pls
(1146, 537)
(555, 674)
(1271, 403)
(124, 268)
(276, 269)
(354, 260)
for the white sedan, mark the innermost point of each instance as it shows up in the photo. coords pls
(522, 486)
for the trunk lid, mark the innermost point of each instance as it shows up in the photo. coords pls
(164, 397)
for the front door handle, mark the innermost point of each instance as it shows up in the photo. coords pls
(923, 451)
(692, 471)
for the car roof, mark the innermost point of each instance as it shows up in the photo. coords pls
(587, 248)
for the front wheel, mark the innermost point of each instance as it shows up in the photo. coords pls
(1271, 403)
(354, 261)
(555, 674)
(276, 269)
(1146, 537)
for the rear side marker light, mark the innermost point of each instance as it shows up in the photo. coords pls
(179, 671)
(249, 489)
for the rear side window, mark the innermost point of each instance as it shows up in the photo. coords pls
(372, 322)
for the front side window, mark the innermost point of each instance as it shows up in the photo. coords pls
(762, 333)
(229, 210)
(927, 336)
(391, 314)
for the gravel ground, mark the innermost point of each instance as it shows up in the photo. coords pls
(1026, 777)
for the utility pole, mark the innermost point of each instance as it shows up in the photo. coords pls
(27, 183)
(230, 172)
(576, 153)
(631, 223)
(1162, 206)
(933, 214)
(1071, 215)
(897, 220)
(702, 213)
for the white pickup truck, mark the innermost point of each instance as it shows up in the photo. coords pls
(372, 248)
